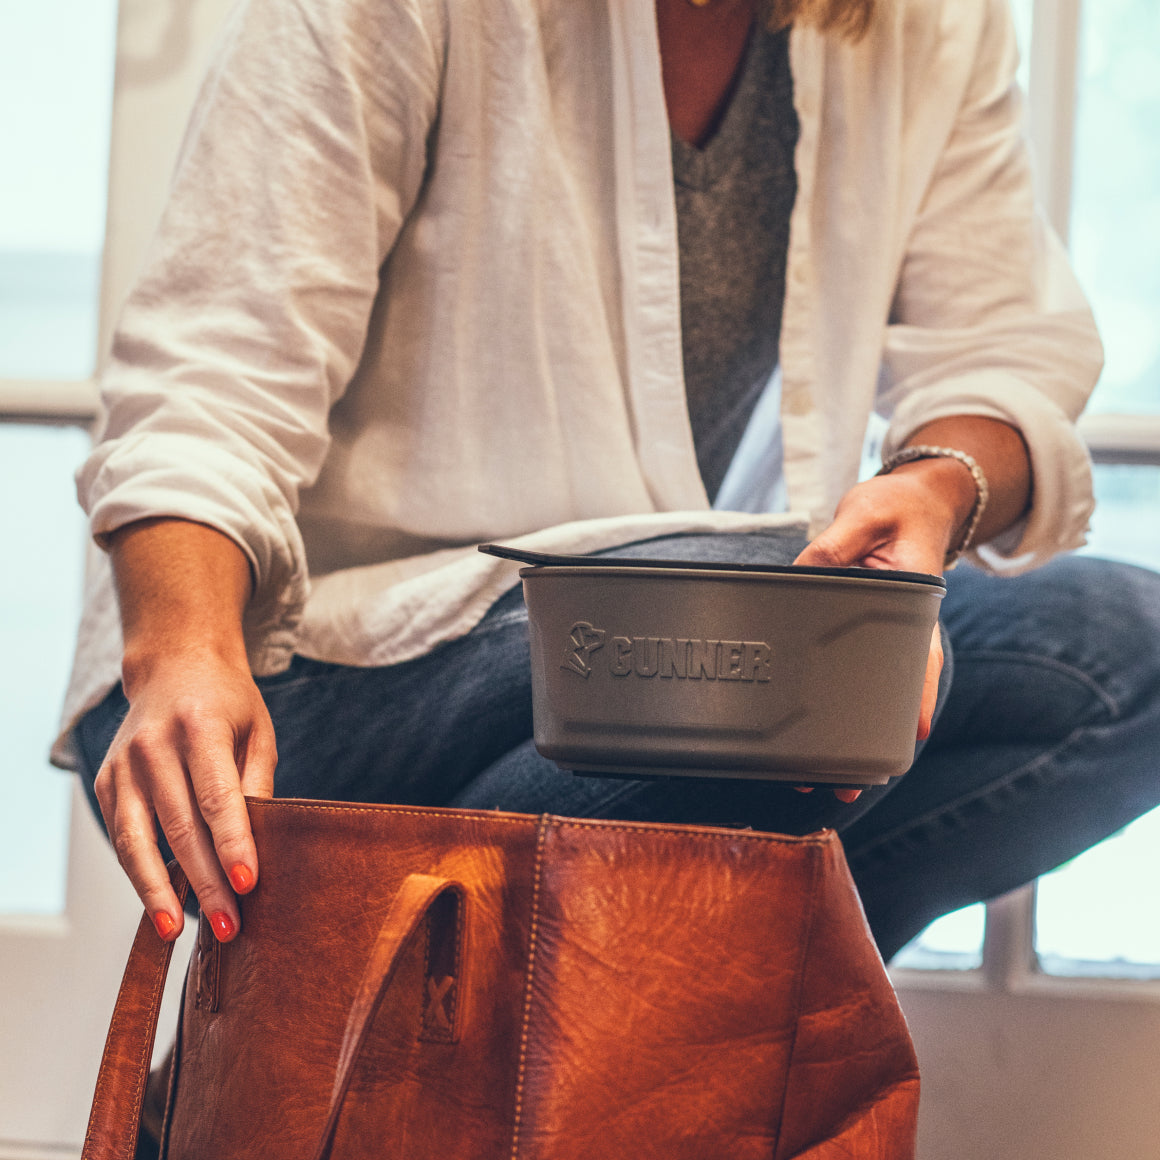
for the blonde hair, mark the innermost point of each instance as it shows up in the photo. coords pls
(847, 17)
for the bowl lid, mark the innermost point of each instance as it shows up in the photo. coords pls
(555, 560)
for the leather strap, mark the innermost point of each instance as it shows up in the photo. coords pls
(116, 1113)
(408, 909)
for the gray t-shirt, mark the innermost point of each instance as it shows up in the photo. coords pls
(734, 199)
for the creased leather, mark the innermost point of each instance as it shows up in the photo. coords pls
(116, 1111)
(581, 989)
(415, 901)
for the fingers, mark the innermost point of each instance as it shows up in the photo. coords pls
(259, 757)
(193, 846)
(934, 664)
(183, 773)
(131, 828)
(139, 782)
(256, 762)
(843, 795)
(883, 522)
(864, 530)
(845, 542)
(214, 829)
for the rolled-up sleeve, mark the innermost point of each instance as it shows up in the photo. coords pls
(988, 319)
(305, 152)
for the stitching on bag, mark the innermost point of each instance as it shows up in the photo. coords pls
(207, 952)
(426, 970)
(544, 824)
(390, 811)
(426, 947)
(801, 986)
(199, 967)
(435, 1034)
(460, 936)
(821, 838)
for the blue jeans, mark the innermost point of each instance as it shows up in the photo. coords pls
(1045, 741)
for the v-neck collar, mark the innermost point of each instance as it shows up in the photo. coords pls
(699, 167)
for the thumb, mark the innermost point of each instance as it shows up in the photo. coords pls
(845, 542)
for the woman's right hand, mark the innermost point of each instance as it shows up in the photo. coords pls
(197, 736)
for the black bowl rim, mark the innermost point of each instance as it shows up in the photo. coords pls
(554, 560)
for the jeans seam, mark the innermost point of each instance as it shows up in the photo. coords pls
(1076, 674)
(900, 833)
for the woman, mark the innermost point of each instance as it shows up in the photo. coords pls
(521, 271)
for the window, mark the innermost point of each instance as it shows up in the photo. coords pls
(1115, 219)
(40, 587)
(56, 86)
(1094, 104)
(56, 81)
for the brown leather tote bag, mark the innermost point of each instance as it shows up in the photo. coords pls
(435, 984)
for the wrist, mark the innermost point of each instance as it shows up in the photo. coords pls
(182, 590)
(950, 485)
(166, 655)
(954, 482)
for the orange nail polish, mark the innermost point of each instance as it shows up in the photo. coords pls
(223, 926)
(164, 923)
(241, 879)
(804, 788)
(847, 795)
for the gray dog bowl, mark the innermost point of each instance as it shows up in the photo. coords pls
(783, 673)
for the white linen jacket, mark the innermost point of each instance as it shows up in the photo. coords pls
(416, 287)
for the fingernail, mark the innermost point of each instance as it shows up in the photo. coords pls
(241, 879)
(804, 788)
(847, 795)
(164, 923)
(223, 926)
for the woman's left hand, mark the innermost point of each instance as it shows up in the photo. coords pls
(906, 521)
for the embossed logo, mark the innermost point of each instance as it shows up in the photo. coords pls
(439, 995)
(583, 641)
(685, 658)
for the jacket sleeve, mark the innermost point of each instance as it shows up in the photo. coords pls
(988, 319)
(304, 153)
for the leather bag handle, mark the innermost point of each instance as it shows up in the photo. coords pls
(414, 901)
(116, 1113)
(114, 1121)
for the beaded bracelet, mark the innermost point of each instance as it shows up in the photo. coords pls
(982, 493)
